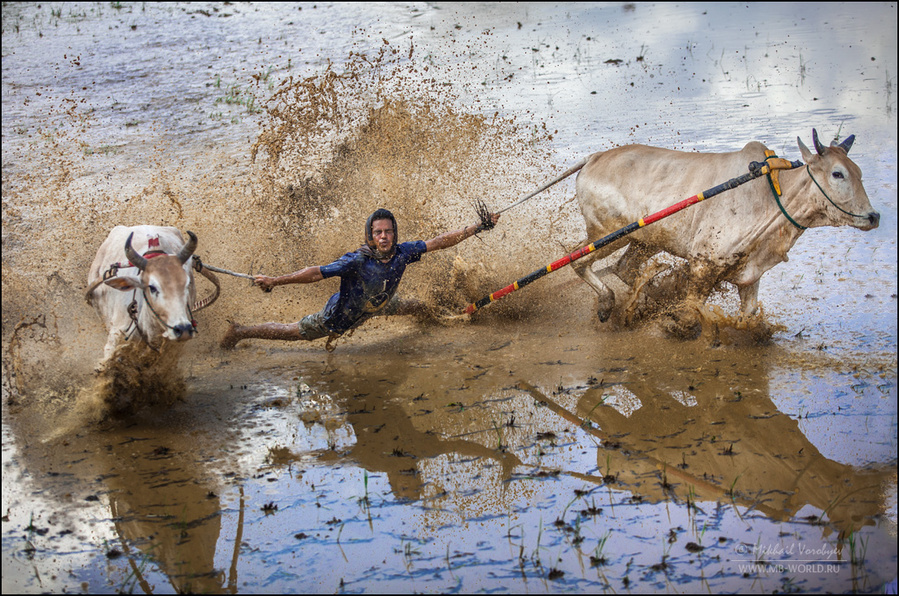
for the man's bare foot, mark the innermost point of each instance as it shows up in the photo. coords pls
(232, 336)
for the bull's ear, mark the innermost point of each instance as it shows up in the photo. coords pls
(806, 154)
(124, 282)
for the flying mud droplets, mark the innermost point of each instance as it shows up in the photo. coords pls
(135, 380)
(657, 297)
(381, 131)
(337, 146)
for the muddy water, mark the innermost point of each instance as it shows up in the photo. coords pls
(529, 449)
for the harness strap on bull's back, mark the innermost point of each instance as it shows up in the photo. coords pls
(774, 164)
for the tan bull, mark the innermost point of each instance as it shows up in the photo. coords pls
(736, 237)
(148, 290)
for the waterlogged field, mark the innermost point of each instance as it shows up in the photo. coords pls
(527, 448)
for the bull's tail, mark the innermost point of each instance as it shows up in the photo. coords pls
(556, 180)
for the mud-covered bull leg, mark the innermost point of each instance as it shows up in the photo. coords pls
(628, 267)
(685, 322)
(583, 267)
(749, 299)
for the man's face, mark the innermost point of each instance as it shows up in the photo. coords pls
(382, 234)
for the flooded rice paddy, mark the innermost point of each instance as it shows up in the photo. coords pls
(528, 448)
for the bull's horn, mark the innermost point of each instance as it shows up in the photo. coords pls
(189, 248)
(818, 146)
(846, 144)
(135, 259)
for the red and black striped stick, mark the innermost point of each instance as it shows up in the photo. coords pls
(756, 169)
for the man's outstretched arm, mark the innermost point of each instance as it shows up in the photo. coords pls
(448, 239)
(303, 276)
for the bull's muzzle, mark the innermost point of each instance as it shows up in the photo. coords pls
(183, 332)
(866, 222)
(874, 219)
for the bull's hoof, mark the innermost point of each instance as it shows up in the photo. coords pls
(604, 307)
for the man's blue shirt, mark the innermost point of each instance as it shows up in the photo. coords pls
(366, 284)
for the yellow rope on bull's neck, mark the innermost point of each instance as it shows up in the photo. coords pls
(777, 194)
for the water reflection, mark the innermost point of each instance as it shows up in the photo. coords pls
(387, 438)
(398, 450)
(161, 491)
(164, 512)
(705, 430)
(719, 438)
(454, 437)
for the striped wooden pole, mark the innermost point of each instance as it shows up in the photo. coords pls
(756, 169)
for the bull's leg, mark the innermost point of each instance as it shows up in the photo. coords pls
(749, 299)
(647, 274)
(702, 279)
(633, 260)
(115, 338)
(630, 269)
(583, 267)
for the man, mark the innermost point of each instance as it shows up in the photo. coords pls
(369, 278)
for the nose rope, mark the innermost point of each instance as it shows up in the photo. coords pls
(132, 312)
(150, 255)
(158, 318)
(828, 198)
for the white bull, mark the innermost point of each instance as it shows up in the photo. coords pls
(149, 286)
(735, 237)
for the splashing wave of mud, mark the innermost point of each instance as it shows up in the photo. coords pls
(385, 131)
(383, 134)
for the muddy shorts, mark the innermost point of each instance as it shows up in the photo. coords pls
(313, 326)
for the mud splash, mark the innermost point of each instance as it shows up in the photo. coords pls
(335, 148)
(388, 132)
(529, 449)
(135, 377)
(332, 146)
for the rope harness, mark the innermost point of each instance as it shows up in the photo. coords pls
(774, 184)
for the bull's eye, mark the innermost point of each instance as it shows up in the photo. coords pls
(154, 290)
(838, 175)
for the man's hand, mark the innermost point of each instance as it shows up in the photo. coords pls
(488, 220)
(303, 276)
(448, 239)
(265, 282)
(492, 218)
